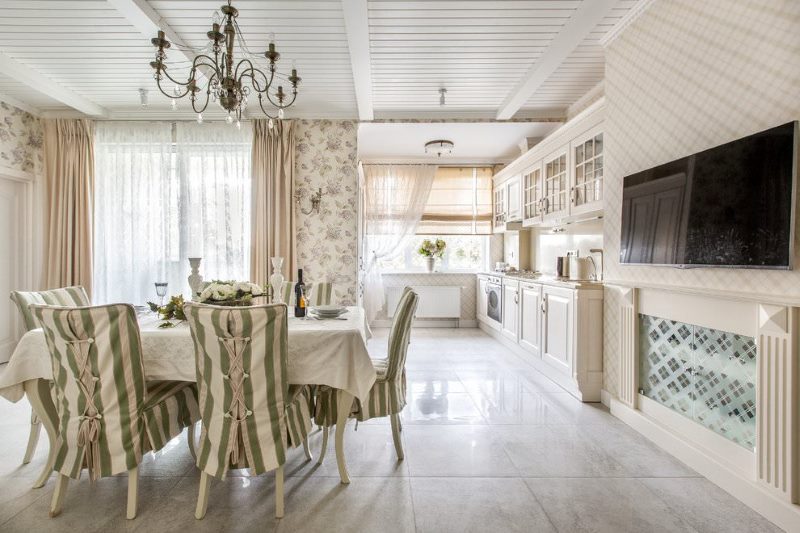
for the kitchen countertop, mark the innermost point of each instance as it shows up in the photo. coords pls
(546, 280)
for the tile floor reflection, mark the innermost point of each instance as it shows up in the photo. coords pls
(491, 445)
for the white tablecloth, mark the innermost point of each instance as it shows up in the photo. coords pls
(321, 352)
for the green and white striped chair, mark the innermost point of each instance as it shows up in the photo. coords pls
(250, 416)
(108, 416)
(388, 395)
(67, 297)
(321, 293)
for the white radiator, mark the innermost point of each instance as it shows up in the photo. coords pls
(435, 301)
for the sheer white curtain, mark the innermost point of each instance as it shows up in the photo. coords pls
(164, 193)
(214, 166)
(394, 200)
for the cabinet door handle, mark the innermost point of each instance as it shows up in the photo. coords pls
(486, 290)
(544, 309)
(516, 298)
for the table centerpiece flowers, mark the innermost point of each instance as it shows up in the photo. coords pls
(431, 251)
(231, 293)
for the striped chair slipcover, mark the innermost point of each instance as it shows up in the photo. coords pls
(108, 416)
(388, 395)
(321, 293)
(67, 297)
(249, 413)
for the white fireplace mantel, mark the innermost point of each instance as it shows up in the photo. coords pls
(767, 479)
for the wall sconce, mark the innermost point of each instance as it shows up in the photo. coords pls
(316, 198)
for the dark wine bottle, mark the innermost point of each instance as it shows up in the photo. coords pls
(299, 295)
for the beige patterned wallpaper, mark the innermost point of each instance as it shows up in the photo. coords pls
(327, 241)
(21, 138)
(685, 76)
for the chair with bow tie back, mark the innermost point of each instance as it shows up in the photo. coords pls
(108, 415)
(67, 297)
(250, 415)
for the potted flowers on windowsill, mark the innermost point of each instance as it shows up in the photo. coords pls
(431, 251)
(231, 293)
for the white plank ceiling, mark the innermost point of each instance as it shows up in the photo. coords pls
(477, 50)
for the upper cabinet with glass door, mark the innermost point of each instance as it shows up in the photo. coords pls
(555, 204)
(586, 193)
(532, 195)
(560, 178)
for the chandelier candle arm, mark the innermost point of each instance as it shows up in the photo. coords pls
(229, 82)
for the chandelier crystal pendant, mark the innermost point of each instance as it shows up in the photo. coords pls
(226, 81)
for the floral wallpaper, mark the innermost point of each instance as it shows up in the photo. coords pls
(21, 137)
(327, 242)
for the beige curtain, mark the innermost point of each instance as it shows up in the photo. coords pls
(273, 231)
(69, 193)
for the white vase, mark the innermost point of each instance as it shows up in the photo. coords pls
(429, 262)
(276, 280)
(195, 279)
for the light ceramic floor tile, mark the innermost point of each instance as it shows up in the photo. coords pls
(706, 507)
(237, 504)
(458, 451)
(605, 506)
(556, 451)
(639, 457)
(429, 403)
(443, 505)
(91, 507)
(367, 504)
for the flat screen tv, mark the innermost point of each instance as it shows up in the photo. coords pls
(729, 206)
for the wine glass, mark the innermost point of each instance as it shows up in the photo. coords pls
(161, 291)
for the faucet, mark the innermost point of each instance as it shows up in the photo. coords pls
(602, 262)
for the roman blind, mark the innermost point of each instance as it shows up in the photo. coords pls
(460, 202)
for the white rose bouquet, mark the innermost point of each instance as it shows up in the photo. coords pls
(231, 292)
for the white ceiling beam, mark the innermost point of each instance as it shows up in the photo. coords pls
(38, 82)
(148, 21)
(356, 22)
(586, 17)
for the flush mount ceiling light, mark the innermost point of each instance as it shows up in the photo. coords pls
(227, 81)
(439, 147)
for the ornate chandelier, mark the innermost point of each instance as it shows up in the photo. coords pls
(227, 82)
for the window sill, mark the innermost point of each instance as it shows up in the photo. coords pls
(416, 272)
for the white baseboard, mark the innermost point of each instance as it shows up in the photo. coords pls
(423, 323)
(748, 491)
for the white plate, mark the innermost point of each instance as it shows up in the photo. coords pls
(329, 309)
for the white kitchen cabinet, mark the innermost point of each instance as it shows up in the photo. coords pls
(556, 186)
(557, 328)
(560, 179)
(530, 312)
(513, 196)
(532, 195)
(586, 192)
(499, 208)
(510, 309)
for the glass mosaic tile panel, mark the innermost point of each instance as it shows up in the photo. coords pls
(705, 374)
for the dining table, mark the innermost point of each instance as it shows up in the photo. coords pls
(329, 352)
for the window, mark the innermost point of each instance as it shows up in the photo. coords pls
(460, 202)
(463, 253)
(164, 193)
